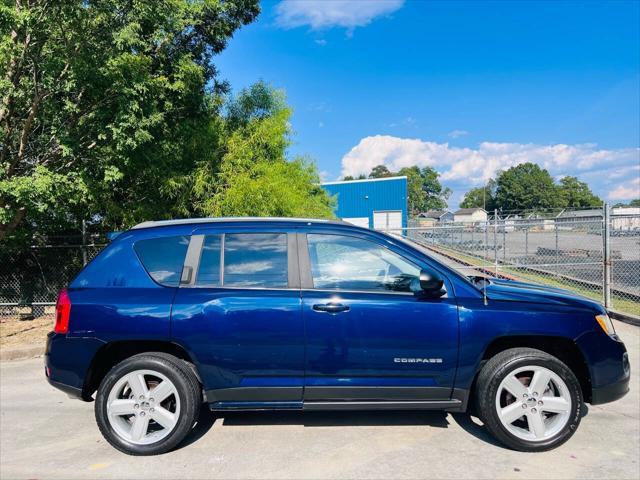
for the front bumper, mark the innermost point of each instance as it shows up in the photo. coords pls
(613, 391)
(608, 363)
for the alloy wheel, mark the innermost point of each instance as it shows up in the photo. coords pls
(143, 407)
(533, 403)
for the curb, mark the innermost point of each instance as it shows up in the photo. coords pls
(21, 353)
(625, 317)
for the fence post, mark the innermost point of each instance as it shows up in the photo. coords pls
(555, 226)
(495, 240)
(504, 241)
(84, 243)
(606, 284)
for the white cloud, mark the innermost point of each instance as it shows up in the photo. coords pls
(322, 42)
(323, 14)
(458, 133)
(627, 191)
(479, 164)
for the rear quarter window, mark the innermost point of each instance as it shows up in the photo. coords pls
(163, 258)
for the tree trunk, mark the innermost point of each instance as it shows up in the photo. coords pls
(10, 227)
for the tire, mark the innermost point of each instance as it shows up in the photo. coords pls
(507, 385)
(128, 415)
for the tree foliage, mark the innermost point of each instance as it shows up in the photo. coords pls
(529, 187)
(113, 110)
(104, 102)
(254, 176)
(380, 171)
(350, 177)
(577, 194)
(424, 189)
(481, 197)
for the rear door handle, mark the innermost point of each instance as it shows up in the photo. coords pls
(330, 307)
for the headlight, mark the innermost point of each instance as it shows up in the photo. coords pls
(606, 324)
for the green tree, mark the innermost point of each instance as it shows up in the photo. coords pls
(107, 106)
(482, 197)
(424, 189)
(575, 193)
(347, 178)
(380, 171)
(254, 176)
(526, 187)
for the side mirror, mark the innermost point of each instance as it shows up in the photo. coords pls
(431, 284)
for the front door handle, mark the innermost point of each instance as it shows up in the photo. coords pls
(330, 307)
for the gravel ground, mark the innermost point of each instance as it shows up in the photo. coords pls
(17, 333)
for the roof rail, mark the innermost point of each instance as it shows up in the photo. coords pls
(187, 221)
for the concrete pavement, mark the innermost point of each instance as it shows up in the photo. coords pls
(43, 434)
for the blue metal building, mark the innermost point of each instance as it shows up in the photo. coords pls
(379, 203)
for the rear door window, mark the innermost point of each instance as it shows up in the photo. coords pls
(209, 270)
(257, 260)
(163, 258)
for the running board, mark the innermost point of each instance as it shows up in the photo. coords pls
(384, 405)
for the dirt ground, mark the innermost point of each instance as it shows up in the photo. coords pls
(16, 333)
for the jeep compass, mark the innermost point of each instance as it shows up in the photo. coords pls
(302, 314)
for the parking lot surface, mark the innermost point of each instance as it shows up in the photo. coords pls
(43, 434)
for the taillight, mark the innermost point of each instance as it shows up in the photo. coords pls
(63, 311)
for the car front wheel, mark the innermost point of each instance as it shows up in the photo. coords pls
(529, 400)
(147, 404)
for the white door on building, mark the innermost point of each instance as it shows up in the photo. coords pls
(358, 221)
(388, 220)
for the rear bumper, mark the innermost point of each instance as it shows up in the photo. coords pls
(67, 360)
(72, 392)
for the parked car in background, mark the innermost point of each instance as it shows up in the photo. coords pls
(298, 314)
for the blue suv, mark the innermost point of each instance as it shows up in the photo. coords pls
(298, 314)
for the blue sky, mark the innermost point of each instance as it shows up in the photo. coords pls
(466, 87)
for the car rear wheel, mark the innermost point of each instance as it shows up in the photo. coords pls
(147, 404)
(529, 400)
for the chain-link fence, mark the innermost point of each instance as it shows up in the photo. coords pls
(593, 252)
(31, 276)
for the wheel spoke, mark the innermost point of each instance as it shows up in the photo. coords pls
(161, 391)
(164, 417)
(122, 407)
(554, 405)
(139, 428)
(515, 388)
(511, 413)
(539, 382)
(536, 424)
(138, 384)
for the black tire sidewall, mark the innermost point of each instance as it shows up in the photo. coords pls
(184, 387)
(490, 414)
